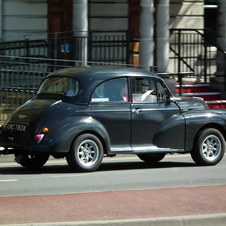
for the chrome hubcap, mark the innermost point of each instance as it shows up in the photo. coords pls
(88, 152)
(211, 147)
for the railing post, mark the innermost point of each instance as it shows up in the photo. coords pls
(55, 50)
(205, 60)
(128, 37)
(224, 93)
(178, 65)
(90, 45)
(55, 45)
(179, 51)
(27, 49)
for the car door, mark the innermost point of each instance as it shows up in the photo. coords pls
(110, 106)
(149, 109)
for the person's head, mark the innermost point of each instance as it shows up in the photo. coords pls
(123, 86)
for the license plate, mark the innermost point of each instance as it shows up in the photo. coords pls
(16, 127)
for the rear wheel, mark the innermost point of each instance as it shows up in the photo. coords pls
(151, 157)
(86, 153)
(31, 161)
(209, 147)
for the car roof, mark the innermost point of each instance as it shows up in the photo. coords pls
(90, 77)
(100, 72)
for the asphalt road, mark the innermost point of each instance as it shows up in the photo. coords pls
(117, 173)
(124, 192)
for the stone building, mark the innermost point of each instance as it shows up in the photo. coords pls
(148, 22)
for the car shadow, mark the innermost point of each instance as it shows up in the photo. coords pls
(142, 165)
(106, 166)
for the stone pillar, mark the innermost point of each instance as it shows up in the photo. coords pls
(80, 28)
(221, 37)
(162, 35)
(146, 34)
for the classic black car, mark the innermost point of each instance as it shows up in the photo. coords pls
(87, 112)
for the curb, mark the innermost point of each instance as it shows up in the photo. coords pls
(199, 220)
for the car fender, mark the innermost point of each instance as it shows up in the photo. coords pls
(198, 120)
(61, 134)
(180, 131)
(171, 133)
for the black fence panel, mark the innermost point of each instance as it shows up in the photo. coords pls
(108, 46)
(195, 51)
(21, 76)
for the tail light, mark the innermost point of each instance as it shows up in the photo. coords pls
(38, 137)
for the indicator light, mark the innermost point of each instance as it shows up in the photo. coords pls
(45, 130)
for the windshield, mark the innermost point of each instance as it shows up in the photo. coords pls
(59, 85)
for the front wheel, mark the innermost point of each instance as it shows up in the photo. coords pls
(86, 153)
(209, 147)
(151, 157)
(31, 161)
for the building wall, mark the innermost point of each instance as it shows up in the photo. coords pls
(187, 14)
(108, 15)
(23, 17)
(20, 17)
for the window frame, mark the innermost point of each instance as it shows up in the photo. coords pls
(103, 97)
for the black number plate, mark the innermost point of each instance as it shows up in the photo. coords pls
(16, 127)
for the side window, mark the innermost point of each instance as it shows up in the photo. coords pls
(111, 90)
(144, 90)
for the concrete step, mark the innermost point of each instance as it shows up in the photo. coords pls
(216, 104)
(202, 90)
(206, 96)
(192, 88)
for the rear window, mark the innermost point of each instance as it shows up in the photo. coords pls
(59, 85)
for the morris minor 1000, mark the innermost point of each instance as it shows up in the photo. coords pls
(84, 113)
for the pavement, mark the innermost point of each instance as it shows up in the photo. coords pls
(181, 206)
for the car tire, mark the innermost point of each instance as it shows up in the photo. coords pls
(209, 147)
(86, 153)
(31, 161)
(151, 157)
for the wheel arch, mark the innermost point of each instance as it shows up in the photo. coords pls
(80, 125)
(104, 141)
(209, 146)
(211, 125)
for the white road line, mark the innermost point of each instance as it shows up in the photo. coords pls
(12, 180)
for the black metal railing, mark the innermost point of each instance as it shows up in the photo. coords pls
(193, 50)
(24, 62)
(21, 76)
(190, 49)
(107, 46)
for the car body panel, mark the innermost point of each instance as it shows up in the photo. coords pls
(107, 115)
(193, 122)
(150, 117)
(171, 133)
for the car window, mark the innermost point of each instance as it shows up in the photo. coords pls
(111, 90)
(59, 85)
(162, 93)
(144, 90)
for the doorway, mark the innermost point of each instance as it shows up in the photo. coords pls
(60, 25)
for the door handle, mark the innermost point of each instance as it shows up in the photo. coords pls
(136, 110)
